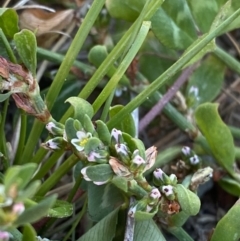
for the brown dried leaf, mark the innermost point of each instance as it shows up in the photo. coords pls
(151, 154)
(118, 168)
(45, 24)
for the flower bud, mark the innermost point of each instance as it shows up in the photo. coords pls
(55, 128)
(54, 144)
(173, 179)
(168, 192)
(100, 156)
(194, 160)
(160, 177)
(116, 136)
(153, 197)
(138, 163)
(186, 151)
(123, 153)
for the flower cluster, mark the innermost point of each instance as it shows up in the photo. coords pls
(165, 183)
(190, 157)
(11, 208)
(21, 84)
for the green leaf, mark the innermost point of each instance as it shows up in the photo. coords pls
(100, 172)
(92, 145)
(103, 230)
(147, 230)
(180, 234)
(29, 233)
(102, 200)
(8, 21)
(81, 107)
(203, 12)
(189, 201)
(88, 125)
(178, 219)
(61, 209)
(217, 134)
(210, 47)
(103, 132)
(230, 185)
(208, 79)
(20, 175)
(125, 9)
(70, 129)
(173, 24)
(29, 191)
(36, 212)
(121, 183)
(214, 12)
(3, 97)
(228, 228)
(26, 45)
(127, 124)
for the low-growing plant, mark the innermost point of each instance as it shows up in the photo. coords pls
(127, 191)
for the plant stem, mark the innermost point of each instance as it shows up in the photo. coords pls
(57, 175)
(75, 188)
(111, 58)
(58, 58)
(157, 108)
(62, 73)
(123, 66)
(171, 71)
(48, 165)
(227, 59)
(80, 215)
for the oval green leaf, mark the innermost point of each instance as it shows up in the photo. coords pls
(29, 233)
(217, 134)
(36, 212)
(26, 45)
(189, 201)
(100, 173)
(81, 107)
(228, 228)
(230, 185)
(8, 21)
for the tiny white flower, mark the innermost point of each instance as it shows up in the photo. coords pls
(158, 173)
(81, 140)
(83, 171)
(52, 145)
(155, 194)
(121, 148)
(93, 155)
(194, 160)
(138, 160)
(186, 151)
(167, 190)
(49, 127)
(116, 134)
